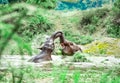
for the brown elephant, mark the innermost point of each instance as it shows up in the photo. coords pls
(68, 48)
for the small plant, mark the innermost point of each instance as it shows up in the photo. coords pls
(17, 74)
(79, 57)
(76, 76)
(86, 39)
(90, 28)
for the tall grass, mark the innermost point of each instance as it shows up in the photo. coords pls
(59, 75)
(76, 76)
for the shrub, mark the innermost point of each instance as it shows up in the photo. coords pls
(49, 4)
(36, 24)
(116, 8)
(92, 19)
(113, 30)
(77, 37)
(113, 26)
(79, 57)
(31, 25)
(20, 26)
(92, 16)
(90, 28)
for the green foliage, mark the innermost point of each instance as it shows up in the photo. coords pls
(14, 1)
(112, 29)
(77, 37)
(30, 74)
(23, 46)
(90, 28)
(93, 16)
(76, 76)
(49, 4)
(62, 77)
(17, 74)
(116, 7)
(86, 39)
(79, 57)
(92, 19)
(113, 23)
(8, 32)
(20, 24)
(36, 24)
(114, 74)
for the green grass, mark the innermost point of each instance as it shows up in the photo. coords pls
(60, 75)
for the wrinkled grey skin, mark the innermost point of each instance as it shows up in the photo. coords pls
(46, 49)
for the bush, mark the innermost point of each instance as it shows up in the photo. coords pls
(49, 4)
(79, 57)
(113, 26)
(77, 37)
(92, 16)
(20, 25)
(92, 19)
(36, 24)
(116, 8)
(90, 28)
(113, 30)
(31, 25)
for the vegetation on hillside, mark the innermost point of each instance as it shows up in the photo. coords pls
(21, 23)
(33, 22)
(103, 18)
(48, 4)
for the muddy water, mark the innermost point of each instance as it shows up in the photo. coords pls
(98, 62)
